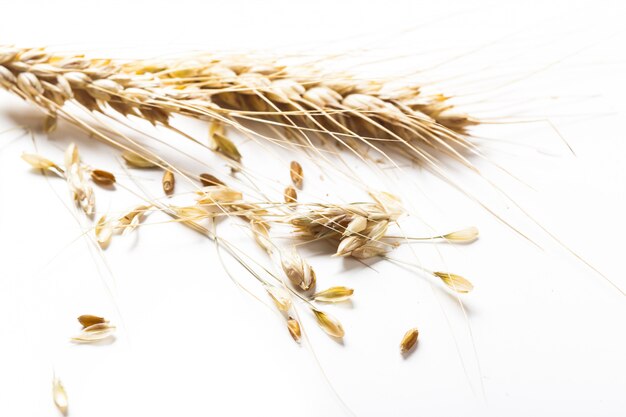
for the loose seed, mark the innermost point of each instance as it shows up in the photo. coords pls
(334, 294)
(137, 161)
(295, 171)
(208, 179)
(280, 296)
(409, 340)
(455, 282)
(290, 195)
(463, 236)
(168, 182)
(88, 320)
(39, 162)
(328, 323)
(226, 147)
(102, 178)
(294, 328)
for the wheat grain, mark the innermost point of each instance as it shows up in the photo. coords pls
(296, 174)
(280, 297)
(299, 272)
(409, 340)
(102, 178)
(168, 182)
(333, 295)
(87, 320)
(226, 147)
(290, 195)
(208, 179)
(328, 323)
(133, 159)
(462, 236)
(39, 162)
(294, 329)
(455, 282)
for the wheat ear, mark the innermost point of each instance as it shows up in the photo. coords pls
(299, 99)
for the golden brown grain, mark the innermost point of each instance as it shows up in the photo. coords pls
(290, 195)
(296, 174)
(294, 328)
(102, 178)
(409, 340)
(226, 147)
(455, 282)
(208, 179)
(334, 294)
(329, 324)
(168, 182)
(87, 320)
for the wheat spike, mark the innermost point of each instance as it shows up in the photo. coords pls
(236, 90)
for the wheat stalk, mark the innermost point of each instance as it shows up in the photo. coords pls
(298, 103)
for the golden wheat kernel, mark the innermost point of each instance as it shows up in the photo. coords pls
(455, 282)
(296, 174)
(135, 160)
(103, 178)
(290, 195)
(168, 182)
(280, 297)
(328, 323)
(87, 320)
(226, 147)
(294, 328)
(208, 180)
(409, 340)
(334, 294)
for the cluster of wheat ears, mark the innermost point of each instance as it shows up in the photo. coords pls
(298, 106)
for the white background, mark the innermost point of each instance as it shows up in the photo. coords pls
(541, 334)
